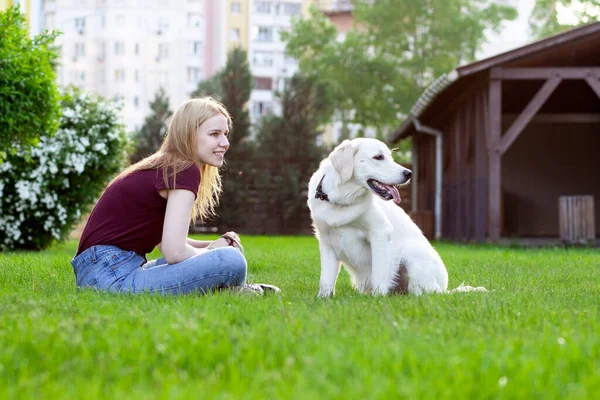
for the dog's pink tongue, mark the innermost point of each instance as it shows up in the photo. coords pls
(395, 193)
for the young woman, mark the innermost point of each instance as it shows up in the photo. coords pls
(150, 204)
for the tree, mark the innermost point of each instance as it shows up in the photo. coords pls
(236, 86)
(150, 136)
(378, 71)
(29, 98)
(289, 145)
(545, 18)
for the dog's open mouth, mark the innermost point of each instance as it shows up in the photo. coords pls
(386, 192)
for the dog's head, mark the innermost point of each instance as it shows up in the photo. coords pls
(369, 163)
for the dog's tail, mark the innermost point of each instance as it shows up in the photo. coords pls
(463, 288)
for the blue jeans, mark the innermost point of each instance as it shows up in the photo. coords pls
(112, 269)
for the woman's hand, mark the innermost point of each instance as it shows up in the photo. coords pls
(228, 239)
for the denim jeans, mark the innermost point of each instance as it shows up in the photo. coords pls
(110, 268)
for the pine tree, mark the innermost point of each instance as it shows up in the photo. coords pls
(290, 144)
(236, 86)
(150, 136)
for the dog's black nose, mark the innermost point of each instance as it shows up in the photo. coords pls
(407, 173)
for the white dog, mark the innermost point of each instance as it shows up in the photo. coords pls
(381, 247)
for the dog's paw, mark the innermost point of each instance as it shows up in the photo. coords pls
(325, 294)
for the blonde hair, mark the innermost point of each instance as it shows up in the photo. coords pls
(178, 152)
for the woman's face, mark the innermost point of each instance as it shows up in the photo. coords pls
(211, 140)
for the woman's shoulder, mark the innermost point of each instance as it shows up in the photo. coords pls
(191, 172)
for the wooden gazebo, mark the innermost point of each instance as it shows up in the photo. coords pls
(498, 141)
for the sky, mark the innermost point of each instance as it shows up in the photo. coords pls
(515, 33)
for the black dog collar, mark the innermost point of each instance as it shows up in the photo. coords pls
(321, 195)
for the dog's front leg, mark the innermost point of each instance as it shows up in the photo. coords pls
(382, 271)
(330, 268)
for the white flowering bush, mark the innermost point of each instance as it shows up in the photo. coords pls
(45, 189)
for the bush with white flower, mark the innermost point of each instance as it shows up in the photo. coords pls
(45, 189)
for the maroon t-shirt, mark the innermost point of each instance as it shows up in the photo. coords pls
(130, 213)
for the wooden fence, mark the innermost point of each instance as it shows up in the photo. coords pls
(576, 219)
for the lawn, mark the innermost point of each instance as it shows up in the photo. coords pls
(534, 335)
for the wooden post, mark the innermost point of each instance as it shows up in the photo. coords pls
(494, 160)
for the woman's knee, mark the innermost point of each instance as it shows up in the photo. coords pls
(234, 261)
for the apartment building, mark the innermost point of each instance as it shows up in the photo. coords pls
(270, 65)
(127, 49)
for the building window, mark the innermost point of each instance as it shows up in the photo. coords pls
(197, 48)
(103, 22)
(136, 101)
(236, 8)
(292, 9)
(259, 108)
(136, 75)
(81, 76)
(79, 49)
(163, 51)
(234, 35)
(193, 74)
(102, 52)
(136, 49)
(263, 83)
(263, 7)
(163, 25)
(50, 20)
(80, 24)
(119, 48)
(101, 75)
(163, 77)
(194, 21)
(120, 20)
(119, 75)
(263, 58)
(265, 34)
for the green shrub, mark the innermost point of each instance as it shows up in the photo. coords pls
(44, 189)
(29, 99)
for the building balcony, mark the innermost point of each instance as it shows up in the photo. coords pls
(334, 6)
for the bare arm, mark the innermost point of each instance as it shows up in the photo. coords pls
(174, 246)
(199, 244)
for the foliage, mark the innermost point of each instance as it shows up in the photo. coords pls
(29, 99)
(46, 188)
(378, 71)
(533, 336)
(289, 144)
(545, 21)
(150, 136)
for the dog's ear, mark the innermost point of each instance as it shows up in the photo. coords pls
(342, 159)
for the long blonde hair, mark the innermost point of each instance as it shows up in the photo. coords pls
(178, 152)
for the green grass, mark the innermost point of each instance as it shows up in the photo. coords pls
(534, 335)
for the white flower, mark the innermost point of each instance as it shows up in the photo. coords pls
(5, 166)
(502, 382)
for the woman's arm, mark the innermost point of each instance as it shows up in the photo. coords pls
(199, 244)
(174, 246)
